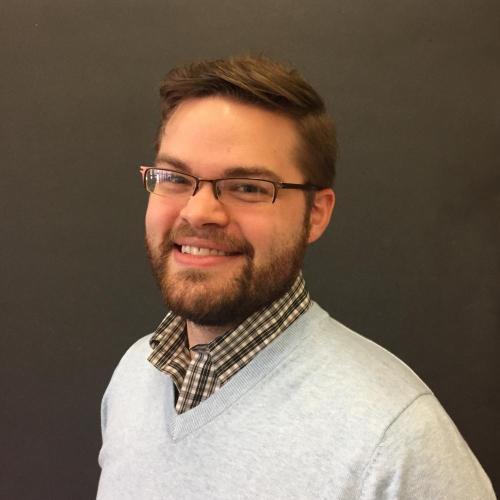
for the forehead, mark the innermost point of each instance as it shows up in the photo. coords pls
(215, 133)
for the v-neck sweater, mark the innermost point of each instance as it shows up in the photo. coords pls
(321, 412)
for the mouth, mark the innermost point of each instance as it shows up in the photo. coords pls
(202, 251)
(192, 250)
(191, 256)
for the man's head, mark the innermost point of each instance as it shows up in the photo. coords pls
(268, 85)
(216, 261)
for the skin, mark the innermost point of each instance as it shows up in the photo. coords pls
(210, 138)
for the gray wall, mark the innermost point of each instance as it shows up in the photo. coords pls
(411, 259)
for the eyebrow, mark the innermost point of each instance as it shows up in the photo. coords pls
(235, 171)
(258, 172)
(172, 162)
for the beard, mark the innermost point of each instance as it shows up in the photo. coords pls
(210, 300)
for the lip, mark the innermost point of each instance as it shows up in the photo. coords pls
(201, 261)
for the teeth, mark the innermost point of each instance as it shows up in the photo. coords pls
(201, 251)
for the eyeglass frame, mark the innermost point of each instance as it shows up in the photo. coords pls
(276, 184)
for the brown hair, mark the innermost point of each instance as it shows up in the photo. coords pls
(270, 85)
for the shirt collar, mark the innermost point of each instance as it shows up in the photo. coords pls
(233, 350)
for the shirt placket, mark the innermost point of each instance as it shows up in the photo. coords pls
(199, 380)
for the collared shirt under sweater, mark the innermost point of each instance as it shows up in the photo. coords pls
(199, 371)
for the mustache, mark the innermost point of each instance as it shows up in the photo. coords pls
(231, 244)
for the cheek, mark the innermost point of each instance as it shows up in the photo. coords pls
(278, 232)
(159, 219)
(262, 232)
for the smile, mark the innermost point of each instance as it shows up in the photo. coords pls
(201, 251)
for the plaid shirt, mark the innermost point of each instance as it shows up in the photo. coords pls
(198, 372)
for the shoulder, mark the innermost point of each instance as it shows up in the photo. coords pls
(356, 365)
(413, 448)
(137, 351)
(422, 455)
(132, 382)
(133, 367)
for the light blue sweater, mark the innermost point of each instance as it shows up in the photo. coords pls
(320, 413)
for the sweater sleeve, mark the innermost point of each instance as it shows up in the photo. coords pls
(422, 456)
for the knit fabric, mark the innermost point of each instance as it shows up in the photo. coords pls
(200, 371)
(319, 413)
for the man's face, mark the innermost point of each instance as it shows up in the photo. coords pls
(257, 249)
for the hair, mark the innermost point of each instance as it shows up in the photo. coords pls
(267, 84)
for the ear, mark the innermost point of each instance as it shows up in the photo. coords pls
(321, 213)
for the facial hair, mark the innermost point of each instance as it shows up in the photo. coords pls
(192, 294)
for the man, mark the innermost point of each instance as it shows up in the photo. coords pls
(247, 389)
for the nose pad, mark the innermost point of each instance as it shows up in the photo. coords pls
(196, 187)
(215, 190)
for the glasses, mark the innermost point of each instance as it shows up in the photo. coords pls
(231, 190)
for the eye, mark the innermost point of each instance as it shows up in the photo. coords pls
(248, 190)
(173, 178)
(168, 182)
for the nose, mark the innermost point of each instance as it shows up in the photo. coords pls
(204, 208)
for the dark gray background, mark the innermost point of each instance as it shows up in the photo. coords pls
(411, 259)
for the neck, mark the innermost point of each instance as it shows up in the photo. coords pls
(199, 334)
